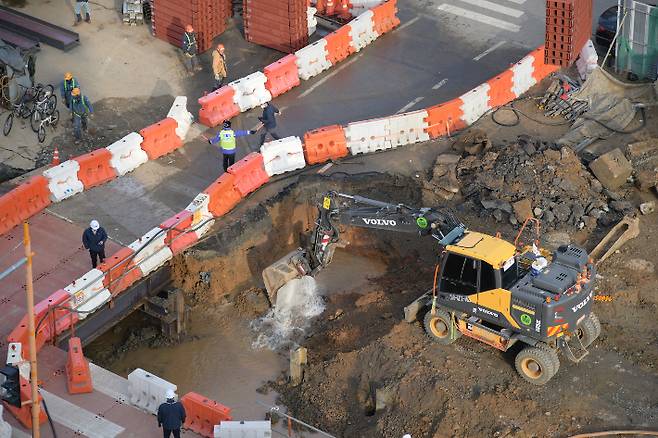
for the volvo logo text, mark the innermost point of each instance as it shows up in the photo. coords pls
(386, 222)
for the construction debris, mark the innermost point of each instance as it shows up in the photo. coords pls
(627, 229)
(133, 12)
(612, 169)
(559, 101)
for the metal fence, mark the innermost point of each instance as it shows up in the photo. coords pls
(637, 39)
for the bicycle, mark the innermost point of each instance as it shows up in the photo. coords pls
(20, 109)
(45, 105)
(50, 120)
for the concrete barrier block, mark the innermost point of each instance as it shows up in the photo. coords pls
(147, 391)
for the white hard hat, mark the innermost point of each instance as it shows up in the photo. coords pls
(170, 394)
(263, 105)
(94, 225)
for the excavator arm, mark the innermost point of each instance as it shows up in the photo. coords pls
(354, 210)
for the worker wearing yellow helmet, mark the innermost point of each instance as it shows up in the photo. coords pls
(68, 84)
(80, 110)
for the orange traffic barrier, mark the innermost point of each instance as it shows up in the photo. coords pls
(23, 202)
(224, 195)
(120, 271)
(95, 168)
(339, 44)
(218, 106)
(320, 6)
(539, 68)
(344, 11)
(500, 89)
(249, 173)
(24, 413)
(282, 75)
(78, 376)
(384, 18)
(160, 138)
(177, 239)
(324, 144)
(203, 414)
(444, 119)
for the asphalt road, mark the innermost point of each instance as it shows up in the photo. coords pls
(441, 50)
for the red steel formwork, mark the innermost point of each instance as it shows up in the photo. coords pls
(279, 24)
(568, 27)
(209, 19)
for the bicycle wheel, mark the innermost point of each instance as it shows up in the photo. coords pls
(35, 121)
(8, 123)
(41, 135)
(26, 110)
(54, 119)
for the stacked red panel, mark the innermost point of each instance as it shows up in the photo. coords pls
(568, 27)
(209, 19)
(278, 24)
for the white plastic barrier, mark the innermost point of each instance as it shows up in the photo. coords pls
(63, 180)
(250, 91)
(5, 428)
(311, 20)
(201, 215)
(476, 103)
(151, 251)
(243, 429)
(362, 30)
(360, 6)
(147, 391)
(408, 128)
(182, 116)
(312, 59)
(522, 78)
(88, 293)
(283, 155)
(127, 153)
(368, 136)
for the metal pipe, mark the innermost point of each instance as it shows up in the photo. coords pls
(13, 267)
(31, 331)
(276, 410)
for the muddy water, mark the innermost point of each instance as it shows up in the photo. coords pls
(220, 362)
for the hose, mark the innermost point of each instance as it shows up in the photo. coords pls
(517, 112)
(50, 420)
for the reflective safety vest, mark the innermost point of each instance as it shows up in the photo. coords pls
(227, 140)
(70, 87)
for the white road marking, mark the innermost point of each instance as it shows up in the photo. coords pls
(495, 7)
(409, 105)
(330, 75)
(407, 24)
(518, 2)
(489, 50)
(479, 17)
(440, 84)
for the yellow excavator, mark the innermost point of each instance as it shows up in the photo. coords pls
(484, 287)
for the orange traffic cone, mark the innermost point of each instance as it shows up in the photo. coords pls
(55, 158)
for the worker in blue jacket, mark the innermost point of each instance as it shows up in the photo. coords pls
(171, 415)
(226, 139)
(80, 110)
(93, 239)
(269, 121)
(67, 86)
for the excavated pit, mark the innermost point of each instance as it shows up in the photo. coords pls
(370, 374)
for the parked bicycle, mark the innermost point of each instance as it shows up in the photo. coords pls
(39, 99)
(39, 122)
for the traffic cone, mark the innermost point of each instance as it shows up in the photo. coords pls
(55, 158)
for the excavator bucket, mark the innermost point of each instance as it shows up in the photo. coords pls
(292, 265)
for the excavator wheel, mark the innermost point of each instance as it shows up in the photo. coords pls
(537, 365)
(589, 329)
(438, 327)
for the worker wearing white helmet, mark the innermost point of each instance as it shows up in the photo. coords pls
(94, 239)
(171, 415)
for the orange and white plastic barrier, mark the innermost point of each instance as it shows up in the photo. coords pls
(63, 180)
(312, 60)
(151, 251)
(183, 117)
(88, 293)
(250, 91)
(284, 155)
(127, 153)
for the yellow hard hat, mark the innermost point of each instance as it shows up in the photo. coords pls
(68, 75)
(75, 92)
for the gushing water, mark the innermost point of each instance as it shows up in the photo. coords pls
(296, 303)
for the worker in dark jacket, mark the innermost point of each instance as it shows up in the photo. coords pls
(68, 84)
(171, 415)
(226, 139)
(94, 239)
(80, 110)
(269, 121)
(190, 49)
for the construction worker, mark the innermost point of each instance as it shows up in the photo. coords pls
(79, 6)
(171, 415)
(190, 49)
(93, 239)
(68, 84)
(80, 110)
(269, 121)
(219, 66)
(226, 139)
